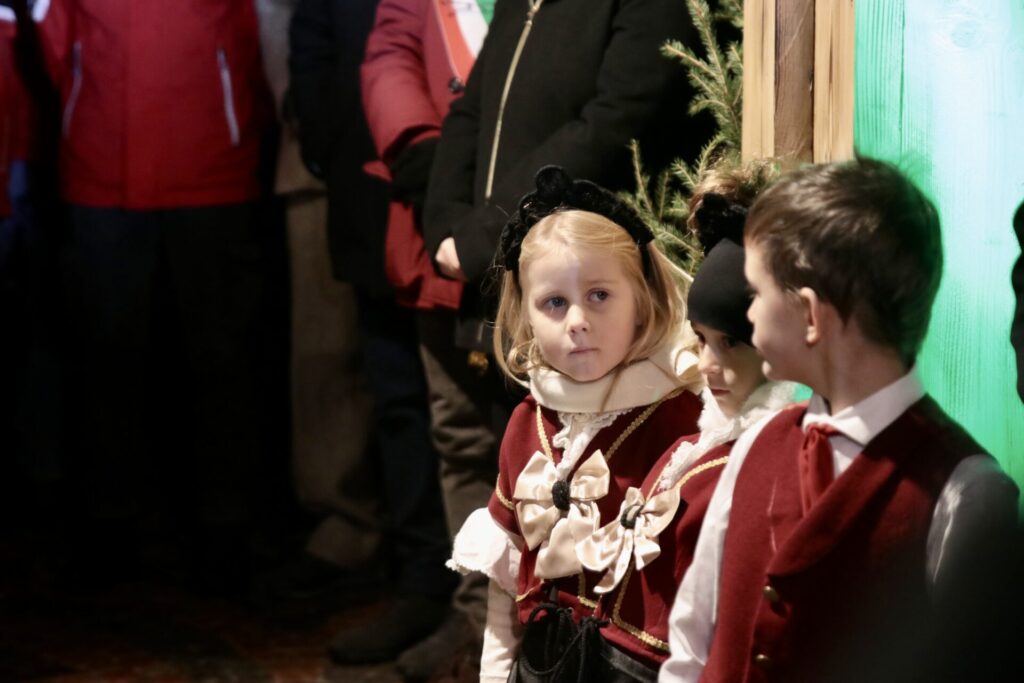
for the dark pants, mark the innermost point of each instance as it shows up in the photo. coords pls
(32, 458)
(414, 518)
(172, 366)
(470, 408)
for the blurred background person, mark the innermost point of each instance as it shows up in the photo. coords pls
(165, 113)
(31, 233)
(328, 38)
(330, 405)
(418, 58)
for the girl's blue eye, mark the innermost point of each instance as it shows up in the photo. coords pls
(600, 295)
(556, 302)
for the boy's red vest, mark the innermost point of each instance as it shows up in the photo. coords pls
(840, 594)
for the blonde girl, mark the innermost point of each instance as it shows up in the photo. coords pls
(592, 321)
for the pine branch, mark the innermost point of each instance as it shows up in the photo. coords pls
(674, 48)
(717, 81)
(642, 198)
(730, 11)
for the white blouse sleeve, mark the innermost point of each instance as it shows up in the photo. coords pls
(482, 545)
(501, 636)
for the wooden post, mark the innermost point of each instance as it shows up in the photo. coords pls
(794, 73)
(798, 79)
(833, 80)
(758, 79)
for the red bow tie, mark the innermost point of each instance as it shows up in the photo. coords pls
(815, 462)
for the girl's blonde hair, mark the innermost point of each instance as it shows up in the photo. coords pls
(660, 307)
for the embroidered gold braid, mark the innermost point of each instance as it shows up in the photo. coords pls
(505, 502)
(543, 436)
(639, 420)
(632, 427)
(691, 473)
(617, 619)
(637, 633)
(581, 594)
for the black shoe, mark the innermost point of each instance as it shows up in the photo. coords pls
(451, 649)
(405, 621)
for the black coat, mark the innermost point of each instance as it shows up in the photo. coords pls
(590, 78)
(328, 39)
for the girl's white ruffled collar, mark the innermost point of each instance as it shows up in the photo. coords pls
(716, 428)
(638, 384)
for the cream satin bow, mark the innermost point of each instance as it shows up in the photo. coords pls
(634, 534)
(555, 530)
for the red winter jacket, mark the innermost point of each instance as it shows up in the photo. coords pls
(164, 103)
(15, 109)
(416, 63)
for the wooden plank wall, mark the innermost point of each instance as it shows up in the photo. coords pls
(833, 79)
(798, 79)
(938, 88)
(940, 92)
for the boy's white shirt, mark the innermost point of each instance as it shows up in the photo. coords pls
(693, 617)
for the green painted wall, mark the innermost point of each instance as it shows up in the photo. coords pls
(940, 91)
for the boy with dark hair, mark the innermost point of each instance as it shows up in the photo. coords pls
(851, 519)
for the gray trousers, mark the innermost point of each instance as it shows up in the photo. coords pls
(331, 405)
(469, 411)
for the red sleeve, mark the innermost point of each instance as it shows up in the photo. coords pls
(518, 445)
(396, 96)
(54, 19)
(17, 113)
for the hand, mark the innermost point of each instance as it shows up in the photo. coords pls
(448, 260)
(410, 172)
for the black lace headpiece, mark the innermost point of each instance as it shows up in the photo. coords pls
(556, 191)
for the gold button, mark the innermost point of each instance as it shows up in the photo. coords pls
(762, 660)
(771, 595)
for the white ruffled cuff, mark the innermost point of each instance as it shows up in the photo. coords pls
(482, 545)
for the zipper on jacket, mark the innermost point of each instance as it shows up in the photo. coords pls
(229, 97)
(76, 87)
(534, 7)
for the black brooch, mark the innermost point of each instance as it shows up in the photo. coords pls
(560, 495)
(629, 515)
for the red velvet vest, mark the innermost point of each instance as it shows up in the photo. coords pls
(629, 466)
(639, 607)
(841, 594)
